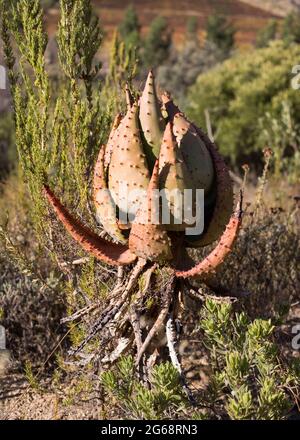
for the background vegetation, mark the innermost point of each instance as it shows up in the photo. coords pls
(247, 97)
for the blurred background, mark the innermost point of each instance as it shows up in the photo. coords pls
(227, 63)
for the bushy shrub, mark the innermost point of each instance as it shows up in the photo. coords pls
(152, 49)
(31, 311)
(161, 399)
(240, 92)
(32, 297)
(157, 43)
(129, 28)
(59, 129)
(7, 150)
(290, 31)
(248, 381)
(220, 32)
(247, 378)
(265, 263)
(267, 34)
(283, 133)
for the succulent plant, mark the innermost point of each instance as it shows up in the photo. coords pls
(153, 148)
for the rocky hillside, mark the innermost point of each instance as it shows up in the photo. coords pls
(279, 7)
(247, 18)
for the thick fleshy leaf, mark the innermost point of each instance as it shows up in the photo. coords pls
(112, 140)
(192, 147)
(105, 207)
(110, 253)
(148, 238)
(224, 198)
(174, 178)
(219, 200)
(212, 262)
(128, 171)
(151, 119)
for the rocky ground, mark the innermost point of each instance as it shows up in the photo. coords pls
(19, 401)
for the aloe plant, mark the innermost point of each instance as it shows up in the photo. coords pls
(154, 150)
(155, 147)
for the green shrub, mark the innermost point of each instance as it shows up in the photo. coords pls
(283, 133)
(7, 150)
(59, 129)
(267, 34)
(220, 32)
(156, 45)
(130, 28)
(240, 92)
(248, 380)
(160, 400)
(290, 31)
(31, 311)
